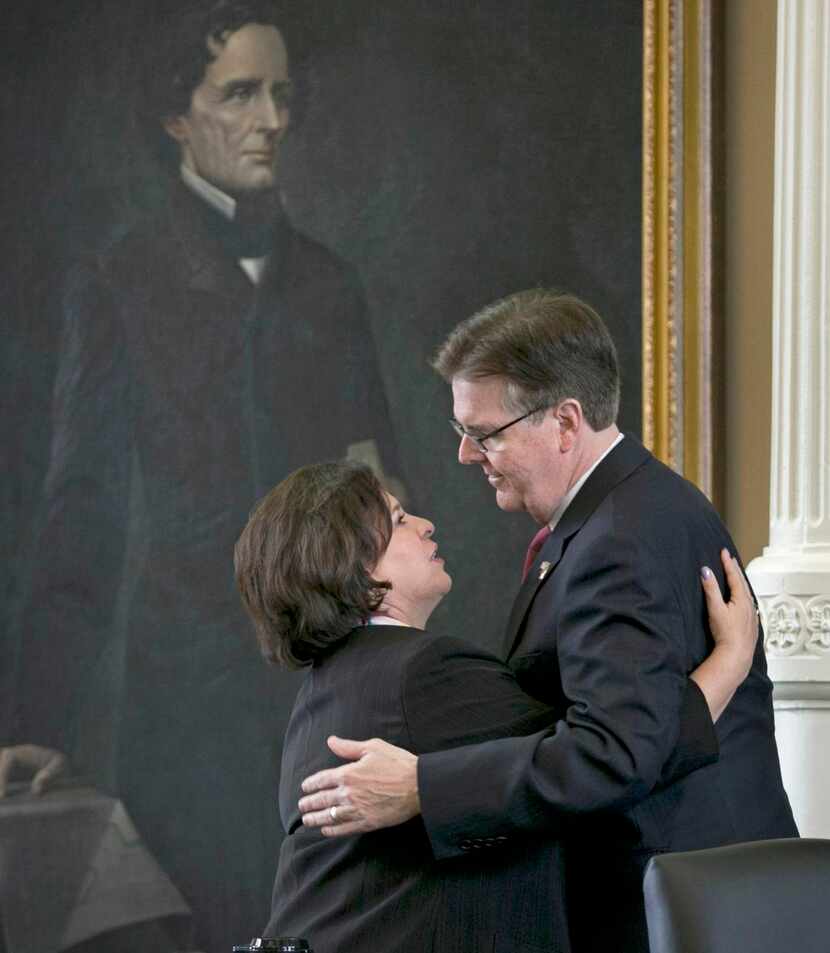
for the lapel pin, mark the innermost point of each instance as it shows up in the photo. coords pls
(544, 569)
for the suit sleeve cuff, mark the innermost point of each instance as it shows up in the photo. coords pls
(697, 743)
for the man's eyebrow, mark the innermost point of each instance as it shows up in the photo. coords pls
(476, 429)
(254, 81)
(240, 82)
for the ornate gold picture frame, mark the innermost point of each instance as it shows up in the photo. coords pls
(682, 320)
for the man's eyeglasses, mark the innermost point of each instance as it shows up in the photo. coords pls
(479, 442)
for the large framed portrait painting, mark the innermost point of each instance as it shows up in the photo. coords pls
(439, 156)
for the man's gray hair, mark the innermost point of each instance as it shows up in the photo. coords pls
(547, 345)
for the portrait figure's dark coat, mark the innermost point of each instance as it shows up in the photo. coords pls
(184, 392)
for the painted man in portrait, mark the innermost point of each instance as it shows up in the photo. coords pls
(206, 353)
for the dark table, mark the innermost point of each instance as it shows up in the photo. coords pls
(74, 874)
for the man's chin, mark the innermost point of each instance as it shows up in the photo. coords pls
(254, 187)
(508, 500)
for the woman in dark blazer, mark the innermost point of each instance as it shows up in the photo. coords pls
(338, 578)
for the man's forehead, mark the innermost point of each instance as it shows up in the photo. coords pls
(478, 402)
(254, 51)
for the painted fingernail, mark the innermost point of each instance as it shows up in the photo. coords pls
(706, 572)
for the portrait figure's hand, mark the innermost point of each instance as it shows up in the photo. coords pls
(377, 788)
(43, 765)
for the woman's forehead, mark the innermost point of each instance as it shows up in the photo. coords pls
(392, 502)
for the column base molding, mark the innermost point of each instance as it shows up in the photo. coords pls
(796, 696)
(793, 591)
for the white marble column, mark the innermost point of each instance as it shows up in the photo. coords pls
(792, 577)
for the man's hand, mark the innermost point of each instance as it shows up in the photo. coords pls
(45, 764)
(379, 788)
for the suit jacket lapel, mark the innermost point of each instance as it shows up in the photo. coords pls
(626, 457)
(550, 552)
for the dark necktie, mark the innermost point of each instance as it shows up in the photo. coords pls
(533, 549)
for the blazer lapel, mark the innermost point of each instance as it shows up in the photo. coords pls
(626, 457)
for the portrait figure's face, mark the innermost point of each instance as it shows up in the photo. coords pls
(524, 464)
(239, 113)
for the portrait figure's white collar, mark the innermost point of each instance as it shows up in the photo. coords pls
(216, 198)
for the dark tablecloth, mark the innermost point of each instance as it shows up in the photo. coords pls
(73, 867)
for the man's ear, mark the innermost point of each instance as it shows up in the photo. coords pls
(570, 419)
(176, 128)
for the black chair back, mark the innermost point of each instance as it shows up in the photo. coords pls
(768, 896)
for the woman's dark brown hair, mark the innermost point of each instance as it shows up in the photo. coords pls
(304, 561)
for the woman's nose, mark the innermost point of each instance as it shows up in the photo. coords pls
(428, 528)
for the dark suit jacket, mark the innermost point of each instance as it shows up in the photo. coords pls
(385, 891)
(607, 638)
(183, 394)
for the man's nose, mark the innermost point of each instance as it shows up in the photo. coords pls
(273, 113)
(468, 452)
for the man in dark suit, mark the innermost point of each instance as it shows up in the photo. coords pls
(605, 628)
(208, 352)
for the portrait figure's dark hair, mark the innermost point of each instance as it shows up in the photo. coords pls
(547, 346)
(304, 560)
(182, 48)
